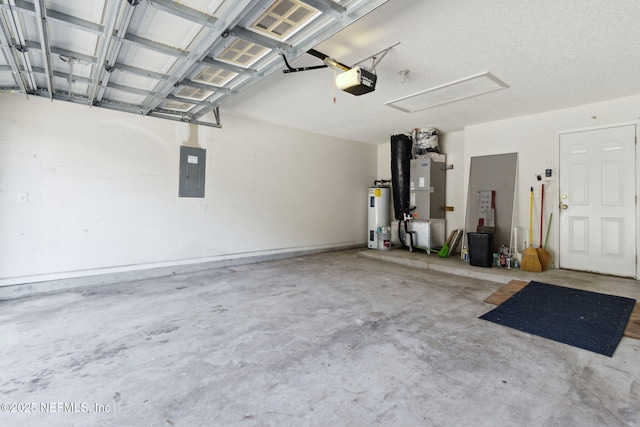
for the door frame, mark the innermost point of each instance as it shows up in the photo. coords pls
(556, 193)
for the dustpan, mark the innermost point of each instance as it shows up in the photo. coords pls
(444, 251)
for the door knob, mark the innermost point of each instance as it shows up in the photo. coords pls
(563, 206)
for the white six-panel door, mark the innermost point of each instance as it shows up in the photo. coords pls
(598, 201)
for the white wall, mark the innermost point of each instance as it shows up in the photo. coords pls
(384, 161)
(452, 144)
(535, 139)
(103, 190)
(102, 186)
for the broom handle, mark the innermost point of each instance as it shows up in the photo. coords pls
(541, 212)
(531, 217)
(548, 229)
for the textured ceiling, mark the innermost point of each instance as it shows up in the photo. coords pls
(552, 54)
(154, 58)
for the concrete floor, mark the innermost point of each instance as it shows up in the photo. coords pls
(342, 338)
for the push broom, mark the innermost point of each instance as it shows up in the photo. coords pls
(530, 261)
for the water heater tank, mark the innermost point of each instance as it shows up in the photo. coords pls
(378, 213)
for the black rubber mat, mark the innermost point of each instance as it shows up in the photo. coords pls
(584, 319)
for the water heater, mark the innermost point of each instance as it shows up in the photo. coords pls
(378, 213)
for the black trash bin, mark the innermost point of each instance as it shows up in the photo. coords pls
(480, 249)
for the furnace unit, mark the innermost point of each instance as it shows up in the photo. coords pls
(426, 203)
(427, 189)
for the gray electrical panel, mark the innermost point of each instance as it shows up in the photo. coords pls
(192, 168)
(427, 190)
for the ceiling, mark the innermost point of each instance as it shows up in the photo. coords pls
(549, 55)
(174, 60)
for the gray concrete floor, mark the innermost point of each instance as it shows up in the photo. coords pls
(343, 339)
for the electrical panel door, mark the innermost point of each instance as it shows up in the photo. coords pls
(192, 169)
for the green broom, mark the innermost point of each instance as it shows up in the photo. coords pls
(530, 261)
(546, 240)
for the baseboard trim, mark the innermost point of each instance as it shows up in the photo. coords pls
(33, 285)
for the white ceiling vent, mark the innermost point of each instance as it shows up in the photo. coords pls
(449, 92)
(242, 53)
(283, 18)
(214, 76)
